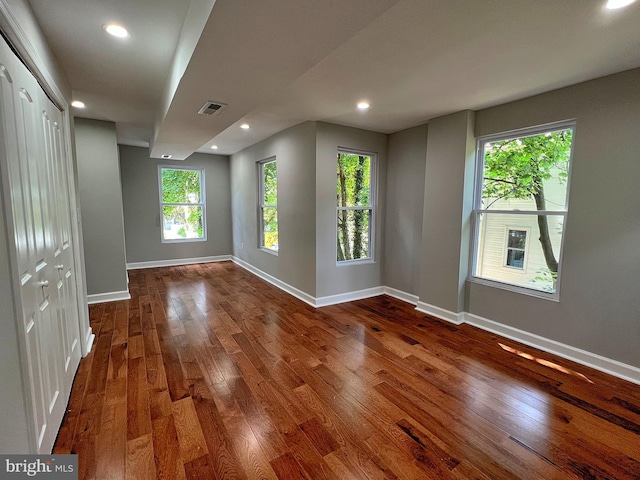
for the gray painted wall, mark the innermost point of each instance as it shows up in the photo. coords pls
(405, 198)
(334, 279)
(445, 230)
(306, 156)
(598, 309)
(141, 204)
(101, 206)
(294, 150)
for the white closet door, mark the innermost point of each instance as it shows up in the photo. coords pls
(38, 207)
(17, 197)
(67, 323)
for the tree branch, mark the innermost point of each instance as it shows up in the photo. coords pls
(499, 180)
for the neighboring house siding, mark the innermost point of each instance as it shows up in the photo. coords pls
(493, 238)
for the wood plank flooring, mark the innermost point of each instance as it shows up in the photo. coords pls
(210, 373)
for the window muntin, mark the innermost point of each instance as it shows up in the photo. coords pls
(182, 204)
(355, 203)
(268, 204)
(522, 186)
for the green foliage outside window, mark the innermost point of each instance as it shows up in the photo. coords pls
(270, 205)
(353, 187)
(182, 206)
(522, 168)
(519, 167)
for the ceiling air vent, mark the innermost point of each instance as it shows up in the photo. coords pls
(212, 108)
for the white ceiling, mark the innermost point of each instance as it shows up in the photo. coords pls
(120, 80)
(277, 63)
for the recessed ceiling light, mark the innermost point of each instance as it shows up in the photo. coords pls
(613, 4)
(245, 126)
(78, 104)
(165, 156)
(214, 147)
(116, 30)
(363, 106)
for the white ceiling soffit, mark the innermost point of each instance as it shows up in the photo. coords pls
(426, 58)
(249, 52)
(194, 23)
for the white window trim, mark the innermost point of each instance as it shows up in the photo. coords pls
(477, 207)
(202, 203)
(373, 195)
(262, 206)
(511, 268)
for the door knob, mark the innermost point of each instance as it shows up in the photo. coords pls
(42, 283)
(60, 267)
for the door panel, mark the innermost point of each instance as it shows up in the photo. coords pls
(20, 198)
(28, 152)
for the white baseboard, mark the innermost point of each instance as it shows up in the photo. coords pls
(400, 295)
(583, 357)
(176, 262)
(310, 299)
(441, 313)
(108, 297)
(299, 294)
(348, 297)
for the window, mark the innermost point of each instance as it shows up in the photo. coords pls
(355, 206)
(182, 204)
(268, 207)
(522, 190)
(516, 248)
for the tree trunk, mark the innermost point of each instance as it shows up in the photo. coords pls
(358, 215)
(342, 219)
(543, 226)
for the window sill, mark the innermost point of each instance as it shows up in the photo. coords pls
(268, 250)
(554, 297)
(185, 240)
(362, 261)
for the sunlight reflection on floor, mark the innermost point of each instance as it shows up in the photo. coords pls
(546, 363)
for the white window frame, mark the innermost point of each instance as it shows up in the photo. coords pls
(373, 193)
(262, 206)
(202, 204)
(477, 207)
(527, 232)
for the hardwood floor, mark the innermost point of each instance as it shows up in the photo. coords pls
(209, 372)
